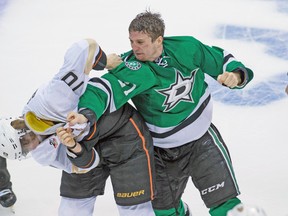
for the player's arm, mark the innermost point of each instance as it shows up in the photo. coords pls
(234, 74)
(52, 153)
(91, 53)
(221, 65)
(81, 153)
(114, 89)
(97, 58)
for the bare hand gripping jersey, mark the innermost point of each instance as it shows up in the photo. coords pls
(52, 153)
(170, 92)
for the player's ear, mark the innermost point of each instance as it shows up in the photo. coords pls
(159, 40)
(19, 124)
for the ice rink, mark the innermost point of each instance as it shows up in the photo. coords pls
(34, 35)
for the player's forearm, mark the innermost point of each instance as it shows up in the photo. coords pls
(84, 159)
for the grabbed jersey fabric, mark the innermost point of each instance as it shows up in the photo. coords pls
(54, 100)
(52, 153)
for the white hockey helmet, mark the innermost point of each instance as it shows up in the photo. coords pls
(10, 146)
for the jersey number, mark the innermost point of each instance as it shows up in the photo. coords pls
(71, 78)
(125, 84)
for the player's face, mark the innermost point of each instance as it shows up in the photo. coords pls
(143, 47)
(29, 142)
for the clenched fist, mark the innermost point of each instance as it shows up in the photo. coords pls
(230, 79)
(66, 137)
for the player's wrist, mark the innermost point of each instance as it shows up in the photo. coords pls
(76, 148)
(242, 76)
(72, 146)
(76, 152)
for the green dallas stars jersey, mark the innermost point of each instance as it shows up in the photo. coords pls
(170, 93)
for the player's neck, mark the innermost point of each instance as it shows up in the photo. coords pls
(158, 53)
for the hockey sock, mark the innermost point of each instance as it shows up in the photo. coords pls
(172, 211)
(222, 209)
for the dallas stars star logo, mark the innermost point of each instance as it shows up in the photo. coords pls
(178, 91)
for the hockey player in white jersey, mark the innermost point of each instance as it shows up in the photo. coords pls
(47, 110)
(54, 100)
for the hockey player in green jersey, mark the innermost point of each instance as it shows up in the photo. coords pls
(164, 77)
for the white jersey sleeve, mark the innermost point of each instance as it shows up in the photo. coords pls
(52, 153)
(60, 96)
(54, 100)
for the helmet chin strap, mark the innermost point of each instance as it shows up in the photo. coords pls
(22, 132)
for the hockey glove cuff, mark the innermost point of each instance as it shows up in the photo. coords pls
(100, 60)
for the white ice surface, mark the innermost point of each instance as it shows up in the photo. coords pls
(34, 35)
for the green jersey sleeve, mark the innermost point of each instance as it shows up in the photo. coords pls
(117, 87)
(212, 60)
